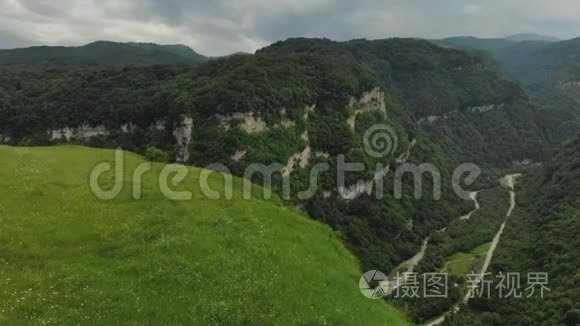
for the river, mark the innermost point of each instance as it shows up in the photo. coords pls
(509, 182)
(407, 267)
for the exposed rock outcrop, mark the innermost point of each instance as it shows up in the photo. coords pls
(362, 187)
(569, 84)
(403, 158)
(5, 139)
(366, 187)
(238, 155)
(301, 159)
(159, 125)
(473, 109)
(434, 118)
(83, 132)
(247, 121)
(524, 162)
(286, 122)
(308, 110)
(183, 136)
(252, 123)
(369, 102)
(128, 127)
(485, 108)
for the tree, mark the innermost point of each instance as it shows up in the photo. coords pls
(154, 154)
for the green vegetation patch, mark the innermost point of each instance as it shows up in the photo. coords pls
(69, 258)
(462, 264)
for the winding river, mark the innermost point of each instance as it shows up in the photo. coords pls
(407, 267)
(508, 182)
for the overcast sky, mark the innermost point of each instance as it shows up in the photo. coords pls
(217, 27)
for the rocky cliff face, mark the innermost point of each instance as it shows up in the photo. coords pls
(570, 84)
(473, 109)
(183, 137)
(369, 102)
(86, 132)
(485, 108)
(247, 121)
(4, 139)
(83, 132)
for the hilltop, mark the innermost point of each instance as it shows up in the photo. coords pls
(103, 53)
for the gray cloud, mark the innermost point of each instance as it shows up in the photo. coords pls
(224, 26)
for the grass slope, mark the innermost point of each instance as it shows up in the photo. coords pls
(68, 258)
(461, 264)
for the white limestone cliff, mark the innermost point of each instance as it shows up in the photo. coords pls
(373, 100)
(183, 136)
(4, 139)
(83, 132)
(248, 121)
(569, 84)
(239, 155)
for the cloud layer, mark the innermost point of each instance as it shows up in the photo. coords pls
(220, 27)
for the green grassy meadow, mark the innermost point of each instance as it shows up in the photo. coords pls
(460, 264)
(68, 258)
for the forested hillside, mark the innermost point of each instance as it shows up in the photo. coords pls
(542, 237)
(102, 53)
(547, 70)
(431, 85)
(543, 67)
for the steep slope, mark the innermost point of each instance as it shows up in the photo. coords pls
(534, 63)
(540, 238)
(530, 62)
(102, 53)
(494, 46)
(473, 111)
(429, 83)
(550, 73)
(70, 258)
(296, 104)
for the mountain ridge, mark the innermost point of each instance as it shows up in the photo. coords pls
(102, 53)
(519, 37)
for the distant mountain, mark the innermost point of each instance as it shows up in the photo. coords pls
(539, 63)
(531, 37)
(102, 53)
(530, 62)
(235, 54)
(493, 47)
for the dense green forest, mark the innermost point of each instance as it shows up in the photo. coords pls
(542, 236)
(547, 69)
(424, 79)
(531, 62)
